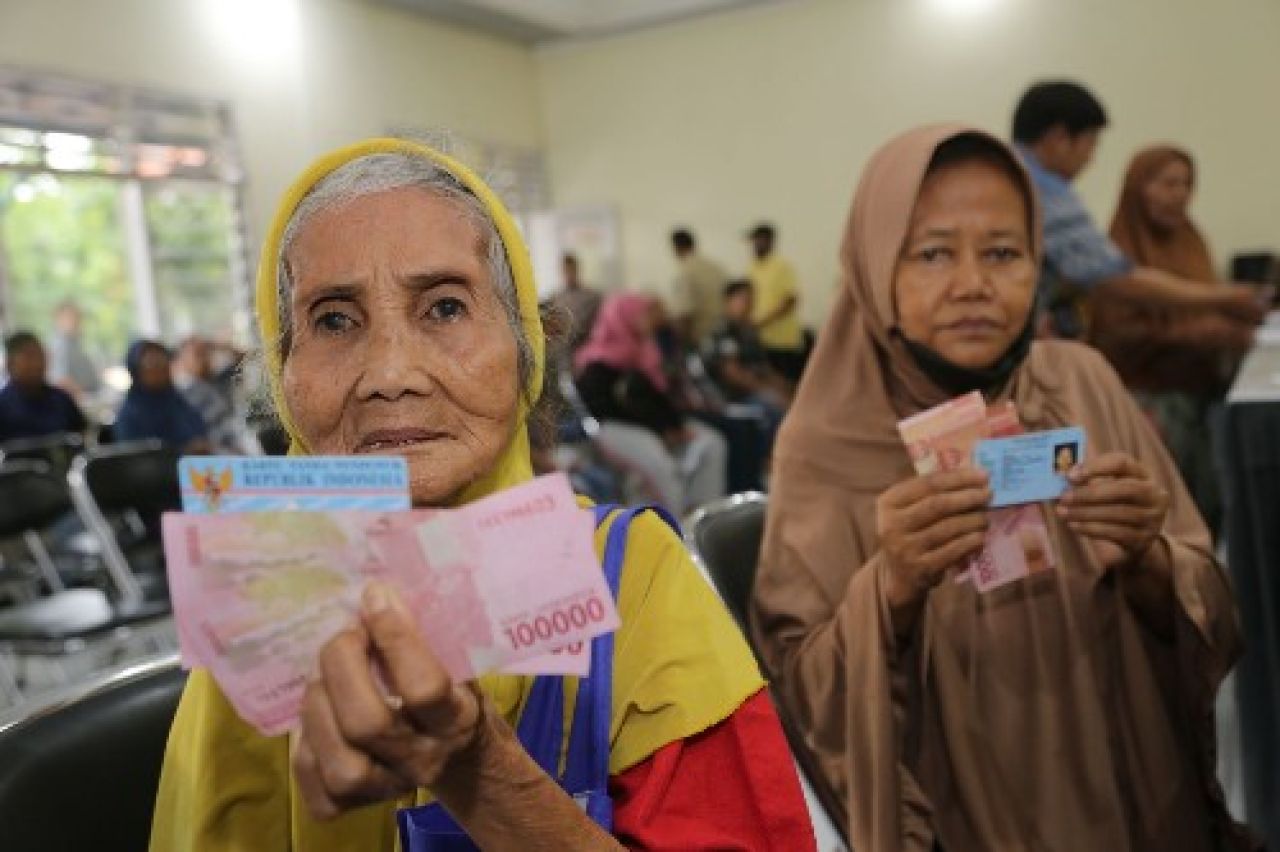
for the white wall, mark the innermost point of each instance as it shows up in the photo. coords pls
(714, 122)
(302, 75)
(770, 112)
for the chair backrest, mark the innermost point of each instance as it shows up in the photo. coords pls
(32, 496)
(141, 475)
(84, 774)
(107, 481)
(56, 450)
(725, 539)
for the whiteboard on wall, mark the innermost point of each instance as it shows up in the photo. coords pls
(594, 235)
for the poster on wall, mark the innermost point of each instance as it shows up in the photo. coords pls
(594, 235)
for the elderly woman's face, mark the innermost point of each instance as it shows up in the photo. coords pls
(965, 280)
(400, 345)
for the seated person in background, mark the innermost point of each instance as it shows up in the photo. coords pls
(1068, 710)
(1177, 361)
(210, 394)
(735, 356)
(738, 363)
(30, 407)
(1055, 129)
(693, 391)
(620, 377)
(370, 360)
(695, 292)
(579, 303)
(153, 408)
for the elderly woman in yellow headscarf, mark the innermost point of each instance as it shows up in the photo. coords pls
(399, 315)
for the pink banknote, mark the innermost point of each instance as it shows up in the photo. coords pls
(497, 583)
(1017, 543)
(943, 437)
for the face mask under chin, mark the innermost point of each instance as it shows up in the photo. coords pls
(956, 380)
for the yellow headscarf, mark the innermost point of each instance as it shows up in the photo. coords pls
(680, 663)
(513, 466)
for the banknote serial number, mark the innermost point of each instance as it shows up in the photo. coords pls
(562, 622)
(540, 505)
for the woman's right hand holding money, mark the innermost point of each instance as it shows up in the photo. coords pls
(928, 525)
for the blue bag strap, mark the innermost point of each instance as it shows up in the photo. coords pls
(541, 725)
(587, 767)
(430, 828)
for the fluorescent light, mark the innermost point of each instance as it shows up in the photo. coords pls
(261, 32)
(962, 8)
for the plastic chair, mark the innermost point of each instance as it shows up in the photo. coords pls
(725, 539)
(56, 450)
(83, 772)
(120, 491)
(32, 498)
(66, 621)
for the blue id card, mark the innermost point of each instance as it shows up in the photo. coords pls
(284, 483)
(1032, 467)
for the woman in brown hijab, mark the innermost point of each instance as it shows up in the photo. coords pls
(1071, 710)
(1177, 362)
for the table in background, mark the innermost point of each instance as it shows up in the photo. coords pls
(1250, 451)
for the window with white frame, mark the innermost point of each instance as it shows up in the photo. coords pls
(124, 202)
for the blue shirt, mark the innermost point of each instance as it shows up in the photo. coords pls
(47, 411)
(1077, 255)
(158, 414)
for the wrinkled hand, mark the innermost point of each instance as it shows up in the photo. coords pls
(357, 745)
(929, 524)
(1115, 504)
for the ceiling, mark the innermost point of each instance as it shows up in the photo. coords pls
(542, 21)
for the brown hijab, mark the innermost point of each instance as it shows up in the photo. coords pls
(859, 364)
(1181, 251)
(1155, 348)
(1043, 715)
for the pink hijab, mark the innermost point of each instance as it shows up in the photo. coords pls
(616, 339)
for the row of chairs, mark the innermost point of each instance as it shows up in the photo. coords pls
(84, 560)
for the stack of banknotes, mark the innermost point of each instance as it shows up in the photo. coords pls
(944, 438)
(269, 559)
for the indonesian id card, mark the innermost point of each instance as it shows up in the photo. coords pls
(1032, 467)
(293, 483)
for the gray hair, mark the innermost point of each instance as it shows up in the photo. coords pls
(375, 173)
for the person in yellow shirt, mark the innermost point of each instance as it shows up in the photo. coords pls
(777, 311)
(398, 310)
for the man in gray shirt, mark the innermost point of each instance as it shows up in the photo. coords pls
(69, 365)
(578, 301)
